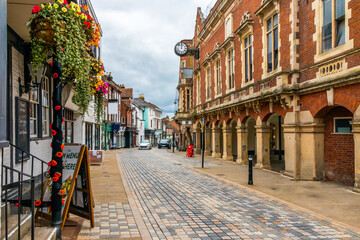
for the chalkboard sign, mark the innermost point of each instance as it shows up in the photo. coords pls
(76, 184)
(22, 128)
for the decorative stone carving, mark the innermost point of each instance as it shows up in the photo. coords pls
(216, 46)
(246, 17)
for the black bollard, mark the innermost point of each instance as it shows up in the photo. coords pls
(250, 182)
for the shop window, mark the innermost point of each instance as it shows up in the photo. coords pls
(342, 125)
(248, 58)
(333, 29)
(272, 34)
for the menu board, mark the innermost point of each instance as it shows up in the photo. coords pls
(22, 129)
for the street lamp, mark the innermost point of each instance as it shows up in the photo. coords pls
(37, 77)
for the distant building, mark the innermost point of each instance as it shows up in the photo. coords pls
(148, 120)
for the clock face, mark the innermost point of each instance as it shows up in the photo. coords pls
(181, 49)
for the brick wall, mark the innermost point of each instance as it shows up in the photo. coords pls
(339, 150)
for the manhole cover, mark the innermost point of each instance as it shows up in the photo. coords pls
(220, 174)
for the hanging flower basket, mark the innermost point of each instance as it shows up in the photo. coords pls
(43, 29)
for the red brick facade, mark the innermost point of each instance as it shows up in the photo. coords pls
(306, 90)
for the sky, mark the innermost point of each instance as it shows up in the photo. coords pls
(138, 44)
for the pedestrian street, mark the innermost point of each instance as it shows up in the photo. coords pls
(178, 202)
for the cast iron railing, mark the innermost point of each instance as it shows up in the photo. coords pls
(13, 182)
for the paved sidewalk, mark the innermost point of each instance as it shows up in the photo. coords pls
(177, 202)
(328, 199)
(112, 214)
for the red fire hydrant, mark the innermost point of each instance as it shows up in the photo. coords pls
(190, 151)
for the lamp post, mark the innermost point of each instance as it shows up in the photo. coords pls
(250, 182)
(173, 139)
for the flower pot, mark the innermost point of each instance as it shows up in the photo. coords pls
(44, 30)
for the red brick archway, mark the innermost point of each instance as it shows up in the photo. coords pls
(339, 164)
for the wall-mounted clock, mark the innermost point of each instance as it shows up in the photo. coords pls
(181, 49)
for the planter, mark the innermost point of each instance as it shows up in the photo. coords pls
(42, 29)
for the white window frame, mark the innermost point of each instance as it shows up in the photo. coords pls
(334, 125)
(45, 97)
(198, 97)
(271, 31)
(34, 117)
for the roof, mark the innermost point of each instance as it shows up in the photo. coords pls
(126, 92)
(127, 102)
(138, 102)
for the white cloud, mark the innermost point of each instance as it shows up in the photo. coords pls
(138, 43)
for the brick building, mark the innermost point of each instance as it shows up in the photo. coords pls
(278, 79)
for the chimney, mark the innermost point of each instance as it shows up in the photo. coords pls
(141, 96)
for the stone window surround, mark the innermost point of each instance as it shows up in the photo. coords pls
(227, 46)
(216, 57)
(229, 18)
(317, 6)
(245, 29)
(268, 9)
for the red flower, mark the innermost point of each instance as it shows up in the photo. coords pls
(61, 192)
(53, 132)
(51, 64)
(51, 126)
(62, 146)
(58, 107)
(55, 75)
(63, 201)
(59, 154)
(65, 2)
(55, 179)
(53, 163)
(37, 203)
(57, 174)
(36, 9)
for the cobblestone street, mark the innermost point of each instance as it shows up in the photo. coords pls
(177, 202)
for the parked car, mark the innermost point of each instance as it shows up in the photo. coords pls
(145, 144)
(164, 143)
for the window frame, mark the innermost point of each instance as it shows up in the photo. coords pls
(34, 105)
(267, 33)
(231, 69)
(217, 76)
(47, 107)
(334, 125)
(208, 83)
(248, 63)
(198, 89)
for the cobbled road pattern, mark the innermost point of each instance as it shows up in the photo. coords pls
(177, 202)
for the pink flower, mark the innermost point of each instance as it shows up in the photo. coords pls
(36, 9)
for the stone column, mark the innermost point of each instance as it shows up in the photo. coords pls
(292, 150)
(208, 136)
(242, 139)
(263, 146)
(227, 149)
(356, 132)
(198, 141)
(216, 142)
(312, 151)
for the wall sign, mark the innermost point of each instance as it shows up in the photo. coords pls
(22, 128)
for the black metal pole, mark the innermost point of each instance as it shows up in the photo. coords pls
(250, 182)
(57, 148)
(280, 157)
(202, 148)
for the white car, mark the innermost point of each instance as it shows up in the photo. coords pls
(145, 144)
